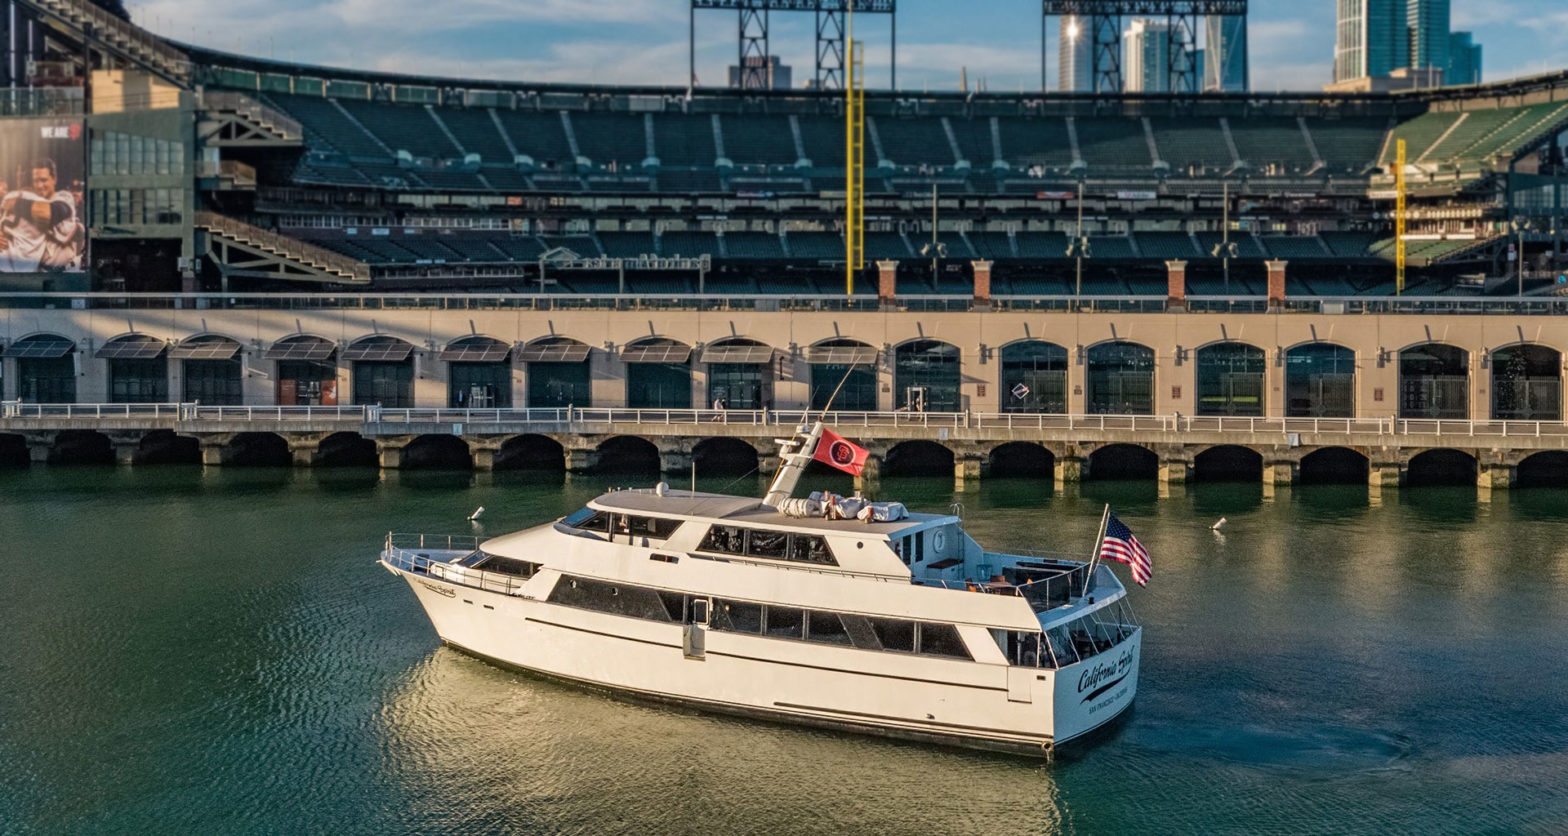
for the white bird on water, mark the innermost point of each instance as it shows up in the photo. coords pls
(474, 517)
(1216, 527)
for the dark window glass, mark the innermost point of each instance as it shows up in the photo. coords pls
(213, 382)
(1230, 380)
(767, 543)
(739, 385)
(826, 627)
(629, 601)
(860, 633)
(658, 386)
(724, 539)
(557, 385)
(588, 519)
(674, 605)
(737, 617)
(785, 622)
(1320, 382)
(479, 386)
(1034, 377)
(139, 381)
(388, 384)
(926, 377)
(46, 380)
(942, 640)
(654, 527)
(894, 634)
(856, 387)
(309, 383)
(1120, 379)
(508, 566)
(810, 548)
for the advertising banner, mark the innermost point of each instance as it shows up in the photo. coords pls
(43, 186)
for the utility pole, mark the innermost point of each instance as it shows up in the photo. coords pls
(1080, 247)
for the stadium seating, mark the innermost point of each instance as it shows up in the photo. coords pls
(753, 245)
(974, 141)
(538, 134)
(476, 131)
(1113, 144)
(1041, 245)
(689, 244)
(1246, 245)
(816, 245)
(611, 139)
(1348, 244)
(1265, 142)
(823, 138)
(1189, 144)
(688, 182)
(887, 245)
(759, 140)
(683, 140)
(913, 141)
(403, 128)
(1036, 142)
(583, 245)
(628, 244)
(326, 125)
(992, 245)
(1163, 245)
(1419, 134)
(1294, 247)
(1348, 146)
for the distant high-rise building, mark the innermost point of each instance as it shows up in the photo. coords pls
(1085, 57)
(1147, 61)
(1225, 67)
(1427, 24)
(1371, 38)
(774, 75)
(1464, 59)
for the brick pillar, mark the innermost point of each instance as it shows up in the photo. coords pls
(1276, 284)
(1176, 276)
(982, 284)
(887, 282)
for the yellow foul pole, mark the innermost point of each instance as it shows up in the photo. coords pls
(1399, 219)
(854, 152)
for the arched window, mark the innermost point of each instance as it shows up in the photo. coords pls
(45, 369)
(848, 367)
(658, 374)
(558, 373)
(307, 373)
(926, 377)
(1320, 381)
(478, 373)
(138, 369)
(1434, 382)
(211, 370)
(1120, 379)
(1034, 377)
(1527, 384)
(740, 373)
(1230, 379)
(383, 372)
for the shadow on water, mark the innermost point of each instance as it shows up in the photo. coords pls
(1448, 506)
(252, 480)
(1011, 492)
(346, 480)
(1330, 503)
(1539, 504)
(1216, 499)
(430, 480)
(1142, 496)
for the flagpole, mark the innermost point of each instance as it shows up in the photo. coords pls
(1099, 540)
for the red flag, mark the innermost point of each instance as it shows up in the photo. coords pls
(834, 450)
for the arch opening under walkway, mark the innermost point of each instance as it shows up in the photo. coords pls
(627, 454)
(258, 450)
(724, 457)
(918, 458)
(13, 451)
(1228, 463)
(1443, 466)
(1548, 469)
(1022, 459)
(437, 452)
(346, 449)
(1122, 463)
(531, 452)
(81, 447)
(1335, 466)
(165, 447)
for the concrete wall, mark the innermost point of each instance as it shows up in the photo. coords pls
(1174, 337)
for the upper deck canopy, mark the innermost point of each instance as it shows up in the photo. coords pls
(742, 510)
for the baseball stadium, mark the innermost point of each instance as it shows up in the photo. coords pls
(405, 268)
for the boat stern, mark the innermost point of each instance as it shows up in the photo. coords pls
(1098, 690)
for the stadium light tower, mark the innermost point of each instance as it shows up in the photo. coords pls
(832, 36)
(1181, 35)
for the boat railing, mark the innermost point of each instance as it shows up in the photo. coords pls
(440, 556)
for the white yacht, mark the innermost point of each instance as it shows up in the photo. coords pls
(904, 628)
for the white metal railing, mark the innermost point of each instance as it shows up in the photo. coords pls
(422, 419)
(438, 556)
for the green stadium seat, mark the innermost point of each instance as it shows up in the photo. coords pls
(685, 141)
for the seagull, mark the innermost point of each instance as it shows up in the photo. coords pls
(1215, 527)
(474, 517)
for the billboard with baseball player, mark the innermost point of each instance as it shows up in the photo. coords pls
(43, 182)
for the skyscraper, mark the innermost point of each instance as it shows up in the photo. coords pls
(1147, 64)
(1085, 54)
(1464, 59)
(1427, 23)
(1371, 38)
(1225, 66)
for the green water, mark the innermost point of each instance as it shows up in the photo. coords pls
(216, 652)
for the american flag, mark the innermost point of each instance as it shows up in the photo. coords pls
(1121, 546)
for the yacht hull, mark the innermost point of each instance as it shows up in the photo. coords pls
(992, 707)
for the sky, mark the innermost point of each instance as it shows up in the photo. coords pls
(645, 41)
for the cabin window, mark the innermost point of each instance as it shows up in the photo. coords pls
(826, 627)
(655, 527)
(507, 566)
(724, 539)
(894, 634)
(629, 601)
(858, 627)
(771, 544)
(914, 550)
(588, 519)
(737, 617)
(674, 605)
(810, 548)
(942, 640)
(785, 622)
